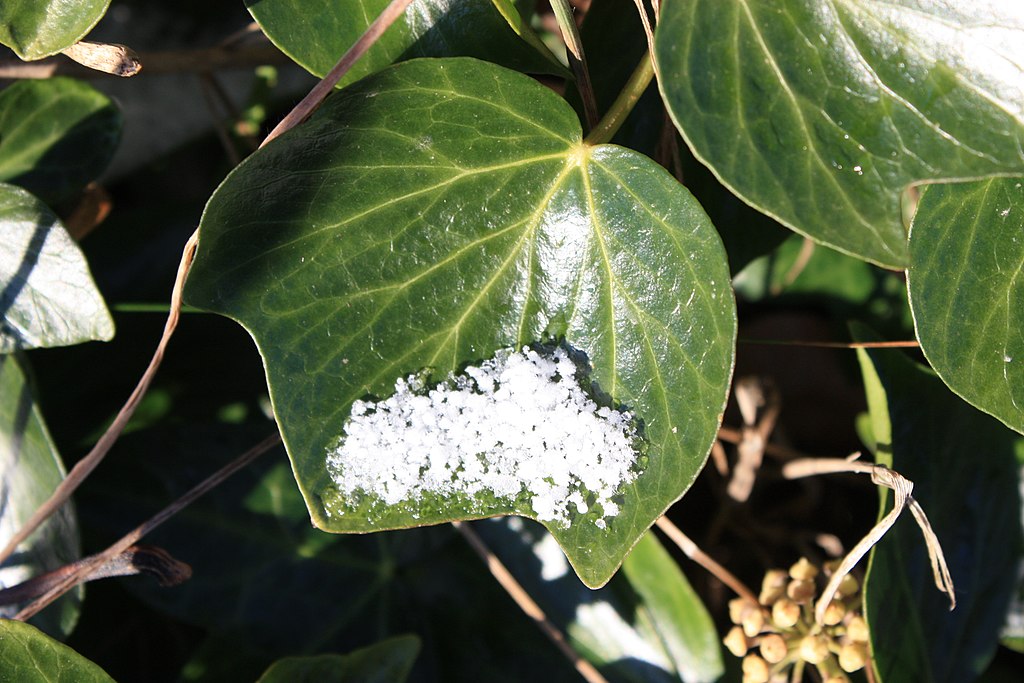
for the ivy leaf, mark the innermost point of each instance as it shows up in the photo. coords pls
(30, 469)
(966, 285)
(55, 135)
(31, 656)
(820, 114)
(47, 296)
(39, 28)
(388, 661)
(486, 29)
(964, 469)
(438, 212)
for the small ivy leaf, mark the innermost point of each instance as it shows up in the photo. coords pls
(388, 661)
(30, 469)
(56, 135)
(486, 29)
(47, 296)
(31, 656)
(39, 28)
(438, 212)
(964, 467)
(966, 286)
(820, 114)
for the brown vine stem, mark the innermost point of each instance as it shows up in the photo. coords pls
(692, 551)
(86, 465)
(138, 559)
(902, 488)
(321, 90)
(910, 344)
(515, 590)
(89, 567)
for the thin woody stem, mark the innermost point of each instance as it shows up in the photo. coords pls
(910, 344)
(692, 551)
(321, 90)
(527, 604)
(89, 567)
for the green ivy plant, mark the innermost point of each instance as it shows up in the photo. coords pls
(449, 201)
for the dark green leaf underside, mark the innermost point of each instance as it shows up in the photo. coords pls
(442, 210)
(47, 296)
(965, 476)
(388, 661)
(966, 284)
(820, 114)
(39, 28)
(429, 28)
(55, 135)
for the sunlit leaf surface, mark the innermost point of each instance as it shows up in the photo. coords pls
(39, 28)
(47, 296)
(438, 212)
(821, 113)
(31, 656)
(429, 28)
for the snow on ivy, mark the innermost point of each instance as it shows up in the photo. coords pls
(517, 423)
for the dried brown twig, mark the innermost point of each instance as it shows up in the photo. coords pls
(91, 565)
(527, 604)
(321, 90)
(902, 487)
(692, 551)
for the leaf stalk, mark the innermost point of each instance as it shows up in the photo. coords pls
(638, 81)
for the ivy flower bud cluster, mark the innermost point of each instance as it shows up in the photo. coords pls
(778, 638)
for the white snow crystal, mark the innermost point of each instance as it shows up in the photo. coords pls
(516, 425)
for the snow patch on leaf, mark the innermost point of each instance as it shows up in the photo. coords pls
(518, 426)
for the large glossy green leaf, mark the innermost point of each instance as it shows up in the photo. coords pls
(316, 33)
(55, 135)
(966, 284)
(30, 469)
(647, 625)
(40, 28)
(964, 469)
(821, 113)
(438, 212)
(30, 656)
(746, 233)
(388, 661)
(47, 296)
